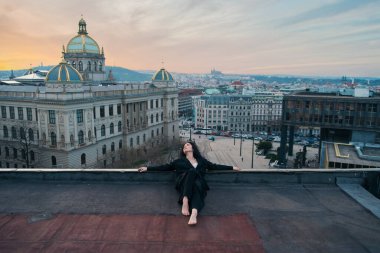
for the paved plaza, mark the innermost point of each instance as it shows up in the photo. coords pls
(225, 150)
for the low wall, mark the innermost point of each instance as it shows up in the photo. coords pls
(270, 176)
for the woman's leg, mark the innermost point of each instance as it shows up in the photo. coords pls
(196, 203)
(188, 191)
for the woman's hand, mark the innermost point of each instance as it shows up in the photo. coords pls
(236, 168)
(142, 169)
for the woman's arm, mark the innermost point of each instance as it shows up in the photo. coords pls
(164, 167)
(214, 166)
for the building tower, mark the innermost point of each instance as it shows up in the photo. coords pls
(84, 54)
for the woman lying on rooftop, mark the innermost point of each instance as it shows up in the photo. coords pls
(190, 179)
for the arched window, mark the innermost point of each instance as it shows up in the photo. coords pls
(80, 66)
(53, 161)
(113, 146)
(131, 142)
(119, 126)
(157, 117)
(14, 133)
(5, 131)
(89, 66)
(53, 138)
(95, 66)
(111, 128)
(74, 64)
(22, 133)
(100, 66)
(80, 137)
(120, 144)
(103, 130)
(32, 155)
(83, 159)
(31, 134)
(104, 149)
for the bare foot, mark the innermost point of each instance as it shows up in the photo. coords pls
(193, 217)
(185, 206)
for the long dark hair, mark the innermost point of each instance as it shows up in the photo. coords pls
(197, 155)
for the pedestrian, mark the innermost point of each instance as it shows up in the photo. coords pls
(190, 178)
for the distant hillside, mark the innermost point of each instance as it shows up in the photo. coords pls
(123, 74)
(119, 73)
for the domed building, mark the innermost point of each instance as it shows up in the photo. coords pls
(63, 78)
(84, 54)
(162, 78)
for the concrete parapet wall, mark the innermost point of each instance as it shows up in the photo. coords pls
(272, 176)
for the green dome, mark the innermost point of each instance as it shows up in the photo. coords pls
(82, 43)
(63, 72)
(212, 91)
(162, 75)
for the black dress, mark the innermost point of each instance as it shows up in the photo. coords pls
(191, 181)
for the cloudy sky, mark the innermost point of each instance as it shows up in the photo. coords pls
(314, 37)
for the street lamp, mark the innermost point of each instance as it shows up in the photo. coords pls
(253, 150)
(241, 141)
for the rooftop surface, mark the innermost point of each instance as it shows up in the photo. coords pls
(126, 211)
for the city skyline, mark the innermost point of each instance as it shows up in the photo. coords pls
(317, 38)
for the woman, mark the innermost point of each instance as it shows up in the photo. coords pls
(190, 180)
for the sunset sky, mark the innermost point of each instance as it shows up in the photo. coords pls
(298, 37)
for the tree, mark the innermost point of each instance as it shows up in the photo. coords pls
(265, 145)
(25, 141)
(161, 153)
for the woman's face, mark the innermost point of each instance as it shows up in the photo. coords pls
(187, 148)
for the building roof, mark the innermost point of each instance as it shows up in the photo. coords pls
(104, 211)
(348, 154)
(162, 76)
(63, 72)
(82, 43)
(33, 76)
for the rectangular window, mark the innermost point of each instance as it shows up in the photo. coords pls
(3, 112)
(20, 113)
(80, 115)
(119, 109)
(11, 112)
(110, 110)
(51, 116)
(29, 114)
(102, 111)
(94, 112)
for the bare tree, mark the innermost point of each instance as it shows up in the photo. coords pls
(150, 153)
(24, 142)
